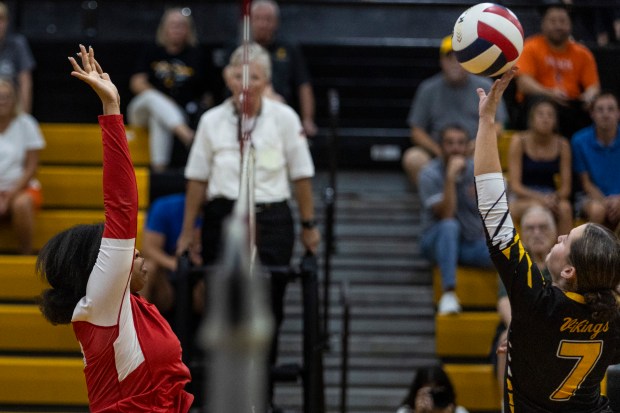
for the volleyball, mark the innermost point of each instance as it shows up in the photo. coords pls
(487, 39)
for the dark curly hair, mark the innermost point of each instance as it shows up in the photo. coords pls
(596, 258)
(66, 262)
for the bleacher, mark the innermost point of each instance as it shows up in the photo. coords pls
(374, 53)
(40, 364)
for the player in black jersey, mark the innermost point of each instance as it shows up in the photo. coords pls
(564, 333)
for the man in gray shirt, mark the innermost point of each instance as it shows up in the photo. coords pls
(447, 98)
(453, 232)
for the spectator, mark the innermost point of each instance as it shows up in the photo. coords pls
(20, 143)
(540, 167)
(431, 391)
(168, 85)
(596, 161)
(162, 230)
(555, 66)
(282, 155)
(16, 61)
(444, 99)
(290, 79)
(538, 234)
(453, 233)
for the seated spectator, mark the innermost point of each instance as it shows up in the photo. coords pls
(539, 235)
(431, 391)
(16, 60)
(554, 66)
(540, 167)
(596, 161)
(442, 100)
(20, 143)
(168, 85)
(453, 234)
(163, 227)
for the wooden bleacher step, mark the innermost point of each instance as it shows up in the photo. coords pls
(475, 287)
(468, 334)
(50, 222)
(80, 144)
(81, 186)
(18, 281)
(475, 386)
(29, 331)
(42, 381)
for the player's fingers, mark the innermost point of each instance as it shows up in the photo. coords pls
(84, 57)
(75, 64)
(91, 58)
(98, 67)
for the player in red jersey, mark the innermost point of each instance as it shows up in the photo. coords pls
(132, 359)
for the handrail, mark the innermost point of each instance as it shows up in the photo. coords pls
(330, 205)
(344, 344)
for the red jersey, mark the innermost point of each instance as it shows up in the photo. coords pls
(132, 357)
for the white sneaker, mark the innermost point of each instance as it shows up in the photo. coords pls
(449, 304)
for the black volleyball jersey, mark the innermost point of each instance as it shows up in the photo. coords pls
(557, 355)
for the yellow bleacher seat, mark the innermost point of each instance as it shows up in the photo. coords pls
(18, 281)
(81, 186)
(42, 380)
(475, 386)
(50, 222)
(475, 287)
(468, 334)
(25, 329)
(503, 146)
(80, 144)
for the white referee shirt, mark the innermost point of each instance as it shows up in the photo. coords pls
(280, 144)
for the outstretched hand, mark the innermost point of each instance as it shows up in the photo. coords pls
(91, 73)
(489, 103)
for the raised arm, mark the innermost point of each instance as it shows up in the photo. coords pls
(486, 155)
(119, 181)
(108, 282)
(490, 186)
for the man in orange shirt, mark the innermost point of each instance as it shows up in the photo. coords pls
(555, 66)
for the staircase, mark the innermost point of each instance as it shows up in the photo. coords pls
(390, 297)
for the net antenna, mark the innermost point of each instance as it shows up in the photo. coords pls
(244, 207)
(238, 328)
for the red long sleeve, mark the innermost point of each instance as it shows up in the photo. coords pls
(120, 193)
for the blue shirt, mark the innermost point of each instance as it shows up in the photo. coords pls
(602, 163)
(166, 217)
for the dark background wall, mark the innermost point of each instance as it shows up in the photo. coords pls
(374, 52)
